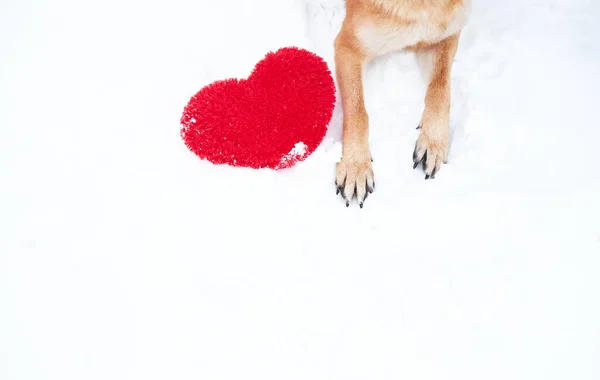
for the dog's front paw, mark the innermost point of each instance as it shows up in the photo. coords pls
(432, 150)
(354, 176)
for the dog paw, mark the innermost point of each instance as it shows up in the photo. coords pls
(432, 152)
(354, 177)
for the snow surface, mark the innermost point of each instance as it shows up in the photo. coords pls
(122, 256)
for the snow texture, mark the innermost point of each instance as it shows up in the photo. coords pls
(123, 256)
(299, 150)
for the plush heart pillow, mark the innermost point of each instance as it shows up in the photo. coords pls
(273, 119)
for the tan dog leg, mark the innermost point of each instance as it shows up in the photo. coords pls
(354, 173)
(433, 144)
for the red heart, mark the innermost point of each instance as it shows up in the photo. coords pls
(272, 119)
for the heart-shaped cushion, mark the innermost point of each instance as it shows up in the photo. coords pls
(273, 119)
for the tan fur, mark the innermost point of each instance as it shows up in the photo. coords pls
(371, 28)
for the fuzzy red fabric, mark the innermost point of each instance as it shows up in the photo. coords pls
(273, 119)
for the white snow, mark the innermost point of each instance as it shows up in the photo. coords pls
(297, 152)
(123, 256)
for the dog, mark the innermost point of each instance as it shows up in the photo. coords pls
(371, 28)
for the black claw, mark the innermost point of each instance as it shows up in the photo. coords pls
(347, 203)
(416, 159)
(417, 162)
(427, 176)
(340, 188)
(361, 204)
(434, 172)
(369, 188)
(419, 126)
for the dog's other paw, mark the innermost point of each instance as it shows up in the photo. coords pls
(354, 177)
(432, 152)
